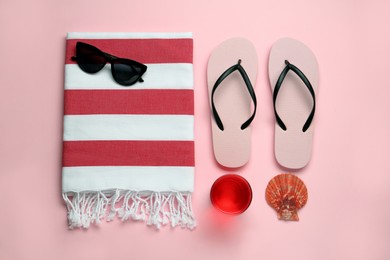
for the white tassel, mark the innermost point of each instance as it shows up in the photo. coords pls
(115, 198)
(156, 209)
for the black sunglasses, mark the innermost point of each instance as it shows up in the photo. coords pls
(91, 60)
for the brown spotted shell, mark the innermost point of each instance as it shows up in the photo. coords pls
(286, 193)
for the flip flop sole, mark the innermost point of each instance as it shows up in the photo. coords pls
(232, 147)
(293, 147)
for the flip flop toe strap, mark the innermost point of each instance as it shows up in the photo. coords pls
(248, 84)
(302, 76)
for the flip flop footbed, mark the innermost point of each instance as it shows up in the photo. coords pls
(294, 103)
(232, 101)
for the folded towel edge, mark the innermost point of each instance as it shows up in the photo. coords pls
(129, 35)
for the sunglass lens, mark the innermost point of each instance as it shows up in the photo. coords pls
(126, 73)
(89, 58)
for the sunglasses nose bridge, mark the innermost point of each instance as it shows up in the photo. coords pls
(110, 57)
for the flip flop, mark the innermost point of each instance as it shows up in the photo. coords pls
(293, 74)
(231, 74)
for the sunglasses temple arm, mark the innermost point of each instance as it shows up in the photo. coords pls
(140, 79)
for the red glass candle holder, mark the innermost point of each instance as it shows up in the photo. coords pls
(231, 194)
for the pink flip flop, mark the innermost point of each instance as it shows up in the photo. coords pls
(293, 74)
(231, 74)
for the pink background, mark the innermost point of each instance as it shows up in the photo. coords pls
(347, 215)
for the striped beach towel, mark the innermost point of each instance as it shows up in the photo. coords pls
(128, 152)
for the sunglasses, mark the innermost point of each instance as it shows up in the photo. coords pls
(124, 71)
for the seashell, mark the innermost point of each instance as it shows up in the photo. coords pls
(286, 193)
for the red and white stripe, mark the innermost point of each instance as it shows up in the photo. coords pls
(137, 138)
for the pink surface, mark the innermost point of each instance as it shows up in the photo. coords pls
(347, 214)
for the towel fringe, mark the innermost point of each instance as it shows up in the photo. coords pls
(157, 209)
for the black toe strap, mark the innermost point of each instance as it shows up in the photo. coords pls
(302, 76)
(250, 90)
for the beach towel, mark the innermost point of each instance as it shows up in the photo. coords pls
(128, 151)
